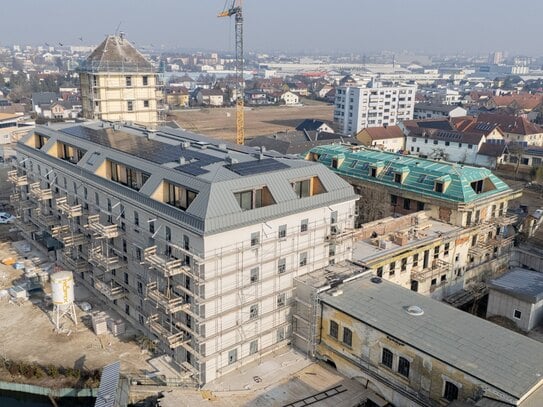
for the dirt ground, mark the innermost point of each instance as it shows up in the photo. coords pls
(27, 332)
(221, 122)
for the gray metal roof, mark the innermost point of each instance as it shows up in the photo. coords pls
(501, 358)
(109, 382)
(520, 283)
(213, 173)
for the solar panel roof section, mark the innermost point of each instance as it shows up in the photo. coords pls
(257, 166)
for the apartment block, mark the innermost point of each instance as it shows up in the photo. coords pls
(195, 243)
(378, 104)
(119, 84)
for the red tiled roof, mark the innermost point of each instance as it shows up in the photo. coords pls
(384, 133)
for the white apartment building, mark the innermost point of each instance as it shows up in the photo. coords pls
(376, 105)
(195, 243)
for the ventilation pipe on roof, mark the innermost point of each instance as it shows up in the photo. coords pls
(182, 161)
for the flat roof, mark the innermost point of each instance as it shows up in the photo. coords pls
(505, 360)
(520, 283)
(368, 249)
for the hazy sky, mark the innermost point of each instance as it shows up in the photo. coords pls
(437, 26)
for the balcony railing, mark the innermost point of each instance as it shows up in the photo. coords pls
(438, 267)
(77, 265)
(17, 180)
(166, 267)
(112, 290)
(71, 211)
(170, 305)
(172, 336)
(40, 194)
(107, 261)
(74, 239)
(106, 231)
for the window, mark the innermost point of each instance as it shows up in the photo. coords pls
(403, 366)
(128, 80)
(253, 347)
(436, 252)
(517, 314)
(255, 198)
(380, 271)
(282, 231)
(302, 188)
(127, 309)
(404, 264)
(136, 219)
(406, 204)
(470, 146)
(446, 249)
(451, 391)
(393, 200)
(420, 206)
(145, 81)
(398, 178)
(126, 278)
(152, 226)
(253, 311)
(347, 337)
(255, 239)
(303, 259)
(178, 196)
(435, 141)
(145, 103)
(334, 329)
(392, 268)
(439, 186)
(281, 334)
(281, 300)
(447, 143)
(415, 260)
(254, 275)
(304, 225)
(386, 358)
(130, 105)
(138, 254)
(281, 266)
(232, 356)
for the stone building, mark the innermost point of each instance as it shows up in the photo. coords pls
(119, 84)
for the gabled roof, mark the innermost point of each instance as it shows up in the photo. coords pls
(116, 54)
(311, 124)
(384, 133)
(441, 123)
(421, 177)
(492, 149)
(507, 123)
(42, 98)
(523, 101)
(503, 359)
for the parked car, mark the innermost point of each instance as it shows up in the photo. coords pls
(6, 218)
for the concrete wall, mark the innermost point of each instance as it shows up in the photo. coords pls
(500, 303)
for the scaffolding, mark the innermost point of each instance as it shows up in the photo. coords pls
(437, 268)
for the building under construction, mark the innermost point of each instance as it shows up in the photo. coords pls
(196, 243)
(119, 84)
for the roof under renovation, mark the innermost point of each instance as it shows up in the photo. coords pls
(213, 170)
(419, 175)
(116, 54)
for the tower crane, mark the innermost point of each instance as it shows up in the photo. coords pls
(235, 10)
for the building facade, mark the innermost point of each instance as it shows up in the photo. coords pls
(376, 105)
(194, 243)
(410, 349)
(119, 84)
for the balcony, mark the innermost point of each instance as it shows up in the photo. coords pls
(40, 194)
(71, 211)
(506, 220)
(437, 268)
(58, 231)
(172, 336)
(77, 265)
(168, 268)
(501, 242)
(45, 221)
(107, 261)
(112, 290)
(74, 239)
(170, 305)
(17, 180)
(106, 231)
(15, 198)
(26, 227)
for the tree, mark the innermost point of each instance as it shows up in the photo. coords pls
(516, 152)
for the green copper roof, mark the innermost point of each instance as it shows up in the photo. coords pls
(419, 175)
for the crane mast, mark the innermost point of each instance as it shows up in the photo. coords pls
(235, 10)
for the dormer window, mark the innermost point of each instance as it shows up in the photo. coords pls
(178, 196)
(308, 187)
(398, 177)
(439, 186)
(254, 198)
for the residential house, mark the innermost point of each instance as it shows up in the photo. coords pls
(387, 138)
(429, 111)
(289, 98)
(177, 96)
(315, 125)
(209, 97)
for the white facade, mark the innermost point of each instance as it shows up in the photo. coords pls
(373, 106)
(290, 98)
